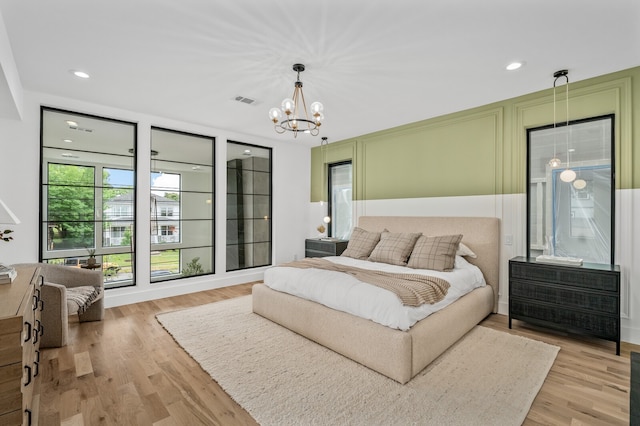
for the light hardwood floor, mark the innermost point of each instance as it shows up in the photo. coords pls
(126, 370)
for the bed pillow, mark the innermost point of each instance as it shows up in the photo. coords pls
(394, 248)
(464, 250)
(435, 253)
(361, 243)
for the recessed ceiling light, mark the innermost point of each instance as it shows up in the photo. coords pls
(71, 123)
(67, 155)
(79, 73)
(514, 66)
(247, 152)
(67, 140)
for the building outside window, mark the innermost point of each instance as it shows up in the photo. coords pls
(182, 208)
(88, 187)
(341, 199)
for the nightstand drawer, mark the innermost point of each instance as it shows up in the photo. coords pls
(597, 325)
(601, 302)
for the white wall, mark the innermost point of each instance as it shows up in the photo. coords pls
(19, 189)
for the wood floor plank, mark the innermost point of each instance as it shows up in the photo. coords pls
(127, 369)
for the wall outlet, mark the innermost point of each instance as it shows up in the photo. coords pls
(508, 240)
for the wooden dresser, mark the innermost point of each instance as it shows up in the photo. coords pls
(20, 333)
(579, 299)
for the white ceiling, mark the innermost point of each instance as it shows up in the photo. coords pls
(374, 64)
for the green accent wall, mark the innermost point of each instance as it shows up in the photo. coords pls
(481, 151)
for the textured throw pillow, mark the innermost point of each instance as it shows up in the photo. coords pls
(435, 253)
(464, 250)
(394, 248)
(361, 243)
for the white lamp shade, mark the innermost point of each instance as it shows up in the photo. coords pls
(6, 215)
(579, 184)
(568, 175)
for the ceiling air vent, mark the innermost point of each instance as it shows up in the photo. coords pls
(244, 100)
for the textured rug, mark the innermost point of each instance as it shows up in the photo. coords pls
(487, 378)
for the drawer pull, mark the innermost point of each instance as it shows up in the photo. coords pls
(28, 413)
(27, 335)
(35, 303)
(26, 367)
(36, 364)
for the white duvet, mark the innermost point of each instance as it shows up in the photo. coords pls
(345, 293)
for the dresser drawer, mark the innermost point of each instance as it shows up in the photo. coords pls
(559, 295)
(597, 325)
(577, 277)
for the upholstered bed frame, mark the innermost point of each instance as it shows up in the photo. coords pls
(397, 354)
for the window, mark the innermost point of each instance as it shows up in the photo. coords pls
(182, 208)
(572, 218)
(248, 206)
(340, 200)
(88, 188)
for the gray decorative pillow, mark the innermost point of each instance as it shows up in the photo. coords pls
(394, 248)
(435, 253)
(361, 243)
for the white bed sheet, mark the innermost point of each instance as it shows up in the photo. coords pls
(345, 293)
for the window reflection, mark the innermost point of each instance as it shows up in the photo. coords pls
(575, 218)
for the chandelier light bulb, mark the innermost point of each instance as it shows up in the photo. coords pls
(275, 114)
(288, 106)
(318, 117)
(568, 175)
(555, 162)
(579, 184)
(316, 108)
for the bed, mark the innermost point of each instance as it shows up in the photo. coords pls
(397, 354)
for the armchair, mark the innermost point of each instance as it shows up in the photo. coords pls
(58, 303)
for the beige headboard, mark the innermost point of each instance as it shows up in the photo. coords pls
(480, 234)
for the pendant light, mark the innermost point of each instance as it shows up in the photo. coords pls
(292, 115)
(567, 174)
(555, 161)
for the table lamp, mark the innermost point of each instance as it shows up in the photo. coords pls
(7, 217)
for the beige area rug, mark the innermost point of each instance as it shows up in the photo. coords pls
(487, 378)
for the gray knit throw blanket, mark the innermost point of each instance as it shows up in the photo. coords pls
(83, 296)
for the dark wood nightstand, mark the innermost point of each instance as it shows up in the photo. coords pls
(316, 247)
(578, 299)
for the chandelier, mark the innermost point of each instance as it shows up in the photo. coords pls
(292, 115)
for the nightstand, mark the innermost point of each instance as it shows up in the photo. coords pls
(317, 247)
(578, 299)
